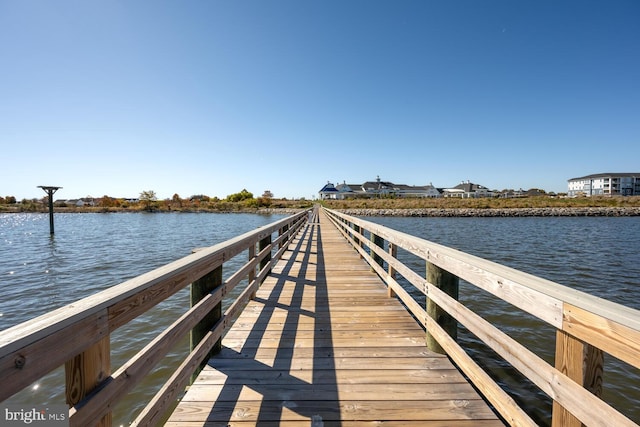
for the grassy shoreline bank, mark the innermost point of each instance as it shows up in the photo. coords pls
(485, 207)
(530, 206)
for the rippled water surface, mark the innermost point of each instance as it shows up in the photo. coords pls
(91, 252)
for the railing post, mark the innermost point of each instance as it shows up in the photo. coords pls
(581, 362)
(379, 242)
(85, 371)
(199, 289)
(447, 283)
(261, 245)
(282, 231)
(356, 229)
(393, 251)
(252, 272)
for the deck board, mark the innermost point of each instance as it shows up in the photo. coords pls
(322, 341)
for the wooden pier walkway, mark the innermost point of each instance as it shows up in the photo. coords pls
(322, 344)
(318, 341)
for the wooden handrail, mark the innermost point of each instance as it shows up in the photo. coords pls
(78, 334)
(586, 325)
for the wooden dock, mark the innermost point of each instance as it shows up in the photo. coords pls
(326, 334)
(322, 344)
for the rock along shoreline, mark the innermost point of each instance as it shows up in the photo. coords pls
(498, 212)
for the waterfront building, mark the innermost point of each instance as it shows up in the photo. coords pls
(377, 188)
(467, 190)
(605, 184)
(328, 192)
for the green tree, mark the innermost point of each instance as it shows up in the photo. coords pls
(239, 197)
(148, 198)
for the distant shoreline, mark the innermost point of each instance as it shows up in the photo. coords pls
(499, 212)
(529, 207)
(408, 212)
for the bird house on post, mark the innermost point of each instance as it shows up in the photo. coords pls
(50, 190)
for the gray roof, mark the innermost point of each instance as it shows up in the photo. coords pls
(470, 187)
(378, 184)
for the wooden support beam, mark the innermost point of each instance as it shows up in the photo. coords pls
(282, 231)
(356, 229)
(448, 283)
(252, 273)
(393, 251)
(261, 245)
(582, 363)
(378, 241)
(199, 289)
(86, 371)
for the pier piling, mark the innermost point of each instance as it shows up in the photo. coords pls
(50, 190)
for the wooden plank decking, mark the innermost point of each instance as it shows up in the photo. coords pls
(322, 344)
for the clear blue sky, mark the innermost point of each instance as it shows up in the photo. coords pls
(210, 97)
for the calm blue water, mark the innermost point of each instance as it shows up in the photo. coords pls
(91, 252)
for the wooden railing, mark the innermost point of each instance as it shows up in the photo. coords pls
(586, 326)
(78, 335)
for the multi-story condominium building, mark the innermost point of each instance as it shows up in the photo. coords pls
(605, 184)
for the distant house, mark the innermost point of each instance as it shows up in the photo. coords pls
(85, 201)
(346, 191)
(328, 192)
(506, 194)
(453, 192)
(605, 184)
(401, 190)
(377, 188)
(467, 190)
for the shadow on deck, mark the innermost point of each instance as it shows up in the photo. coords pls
(323, 344)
